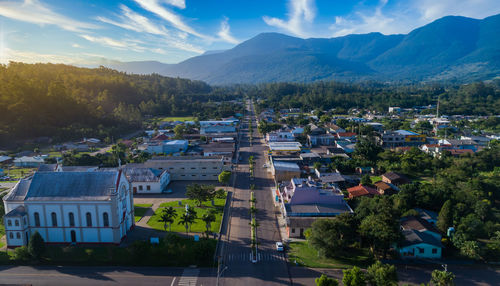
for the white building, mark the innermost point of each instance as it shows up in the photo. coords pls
(28, 162)
(69, 207)
(147, 180)
(280, 136)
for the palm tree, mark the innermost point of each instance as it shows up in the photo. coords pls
(192, 215)
(185, 220)
(171, 214)
(208, 218)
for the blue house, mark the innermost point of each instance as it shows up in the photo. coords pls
(421, 239)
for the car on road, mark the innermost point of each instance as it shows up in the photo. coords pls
(265, 166)
(279, 246)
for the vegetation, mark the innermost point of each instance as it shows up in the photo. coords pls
(442, 278)
(140, 211)
(324, 280)
(354, 277)
(200, 193)
(224, 177)
(36, 246)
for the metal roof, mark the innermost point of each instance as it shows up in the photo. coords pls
(65, 186)
(142, 174)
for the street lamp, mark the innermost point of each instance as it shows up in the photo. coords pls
(219, 273)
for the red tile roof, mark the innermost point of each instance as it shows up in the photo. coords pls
(346, 134)
(361, 190)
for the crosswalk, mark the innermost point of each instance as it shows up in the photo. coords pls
(262, 256)
(189, 277)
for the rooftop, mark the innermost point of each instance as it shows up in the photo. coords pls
(142, 174)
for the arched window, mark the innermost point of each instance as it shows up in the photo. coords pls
(54, 218)
(18, 235)
(105, 219)
(37, 219)
(16, 222)
(11, 235)
(89, 219)
(9, 222)
(71, 219)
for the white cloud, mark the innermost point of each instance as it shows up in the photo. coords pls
(155, 7)
(33, 11)
(135, 22)
(32, 57)
(404, 16)
(107, 41)
(300, 12)
(225, 33)
(177, 3)
(75, 45)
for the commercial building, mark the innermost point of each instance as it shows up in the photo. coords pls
(167, 147)
(189, 168)
(69, 207)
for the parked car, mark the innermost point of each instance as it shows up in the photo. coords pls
(279, 246)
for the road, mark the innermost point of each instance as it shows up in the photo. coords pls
(69, 275)
(272, 267)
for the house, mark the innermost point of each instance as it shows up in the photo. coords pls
(321, 139)
(391, 139)
(147, 180)
(379, 127)
(361, 190)
(350, 136)
(395, 178)
(284, 147)
(333, 128)
(427, 215)
(69, 207)
(412, 138)
(421, 239)
(280, 136)
(217, 126)
(284, 171)
(394, 109)
(331, 178)
(384, 188)
(4, 160)
(345, 145)
(28, 162)
(167, 147)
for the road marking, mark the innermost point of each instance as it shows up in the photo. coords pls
(172, 284)
(189, 277)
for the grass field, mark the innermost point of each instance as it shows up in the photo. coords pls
(2, 233)
(198, 225)
(375, 179)
(307, 256)
(173, 118)
(140, 210)
(18, 173)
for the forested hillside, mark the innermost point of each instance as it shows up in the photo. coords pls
(471, 99)
(66, 102)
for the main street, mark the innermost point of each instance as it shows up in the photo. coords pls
(236, 267)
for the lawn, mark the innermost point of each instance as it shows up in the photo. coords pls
(140, 210)
(174, 118)
(19, 173)
(307, 256)
(375, 179)
(2, 233)
(198, 225)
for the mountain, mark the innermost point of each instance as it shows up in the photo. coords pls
(451, 48)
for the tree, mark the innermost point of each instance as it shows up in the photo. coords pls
(317, 165)
(367, 149)
(167, 217)
(326, 281)
(379, 274)
(224, 177)
(192, 216)
(354, 277)
(36, 246)
(332, 236)
(208, 218)
(423, 126)
(179, 131)
(185, 220)
(381, 231)
(445, 217)
(220, 194)
(366, 180)
(200, 193)
(442, 278)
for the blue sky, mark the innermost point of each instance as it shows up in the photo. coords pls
(84, 32)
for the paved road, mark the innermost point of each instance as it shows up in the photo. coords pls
(105, 276)
(271, 269)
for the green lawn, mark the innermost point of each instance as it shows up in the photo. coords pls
(198, 225)
(140, 210)
(19, 173)
(375, 179)
(2, 233)
(307, 256)
(174, 118)
(55, 154)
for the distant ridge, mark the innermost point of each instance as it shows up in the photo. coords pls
(452, 48)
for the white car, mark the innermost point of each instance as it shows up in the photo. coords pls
(279, 246)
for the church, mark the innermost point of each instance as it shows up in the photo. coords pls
(93, 207)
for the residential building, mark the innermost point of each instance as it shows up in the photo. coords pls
(147, 180)
(28, 162)
(284, 171)
(384, 188)
(321, 139)
(280, 136)
(361, 190)
(167, 147)
(421, 239)
(189, 168)
(395, 178)
(218, 149)
(217, 126)
(412, 138)
(378, 127)
(4, 160)
(69, 207)
(391, 139)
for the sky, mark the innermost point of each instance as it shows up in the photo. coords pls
(89, 32)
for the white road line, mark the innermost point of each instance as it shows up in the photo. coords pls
(173, 281)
